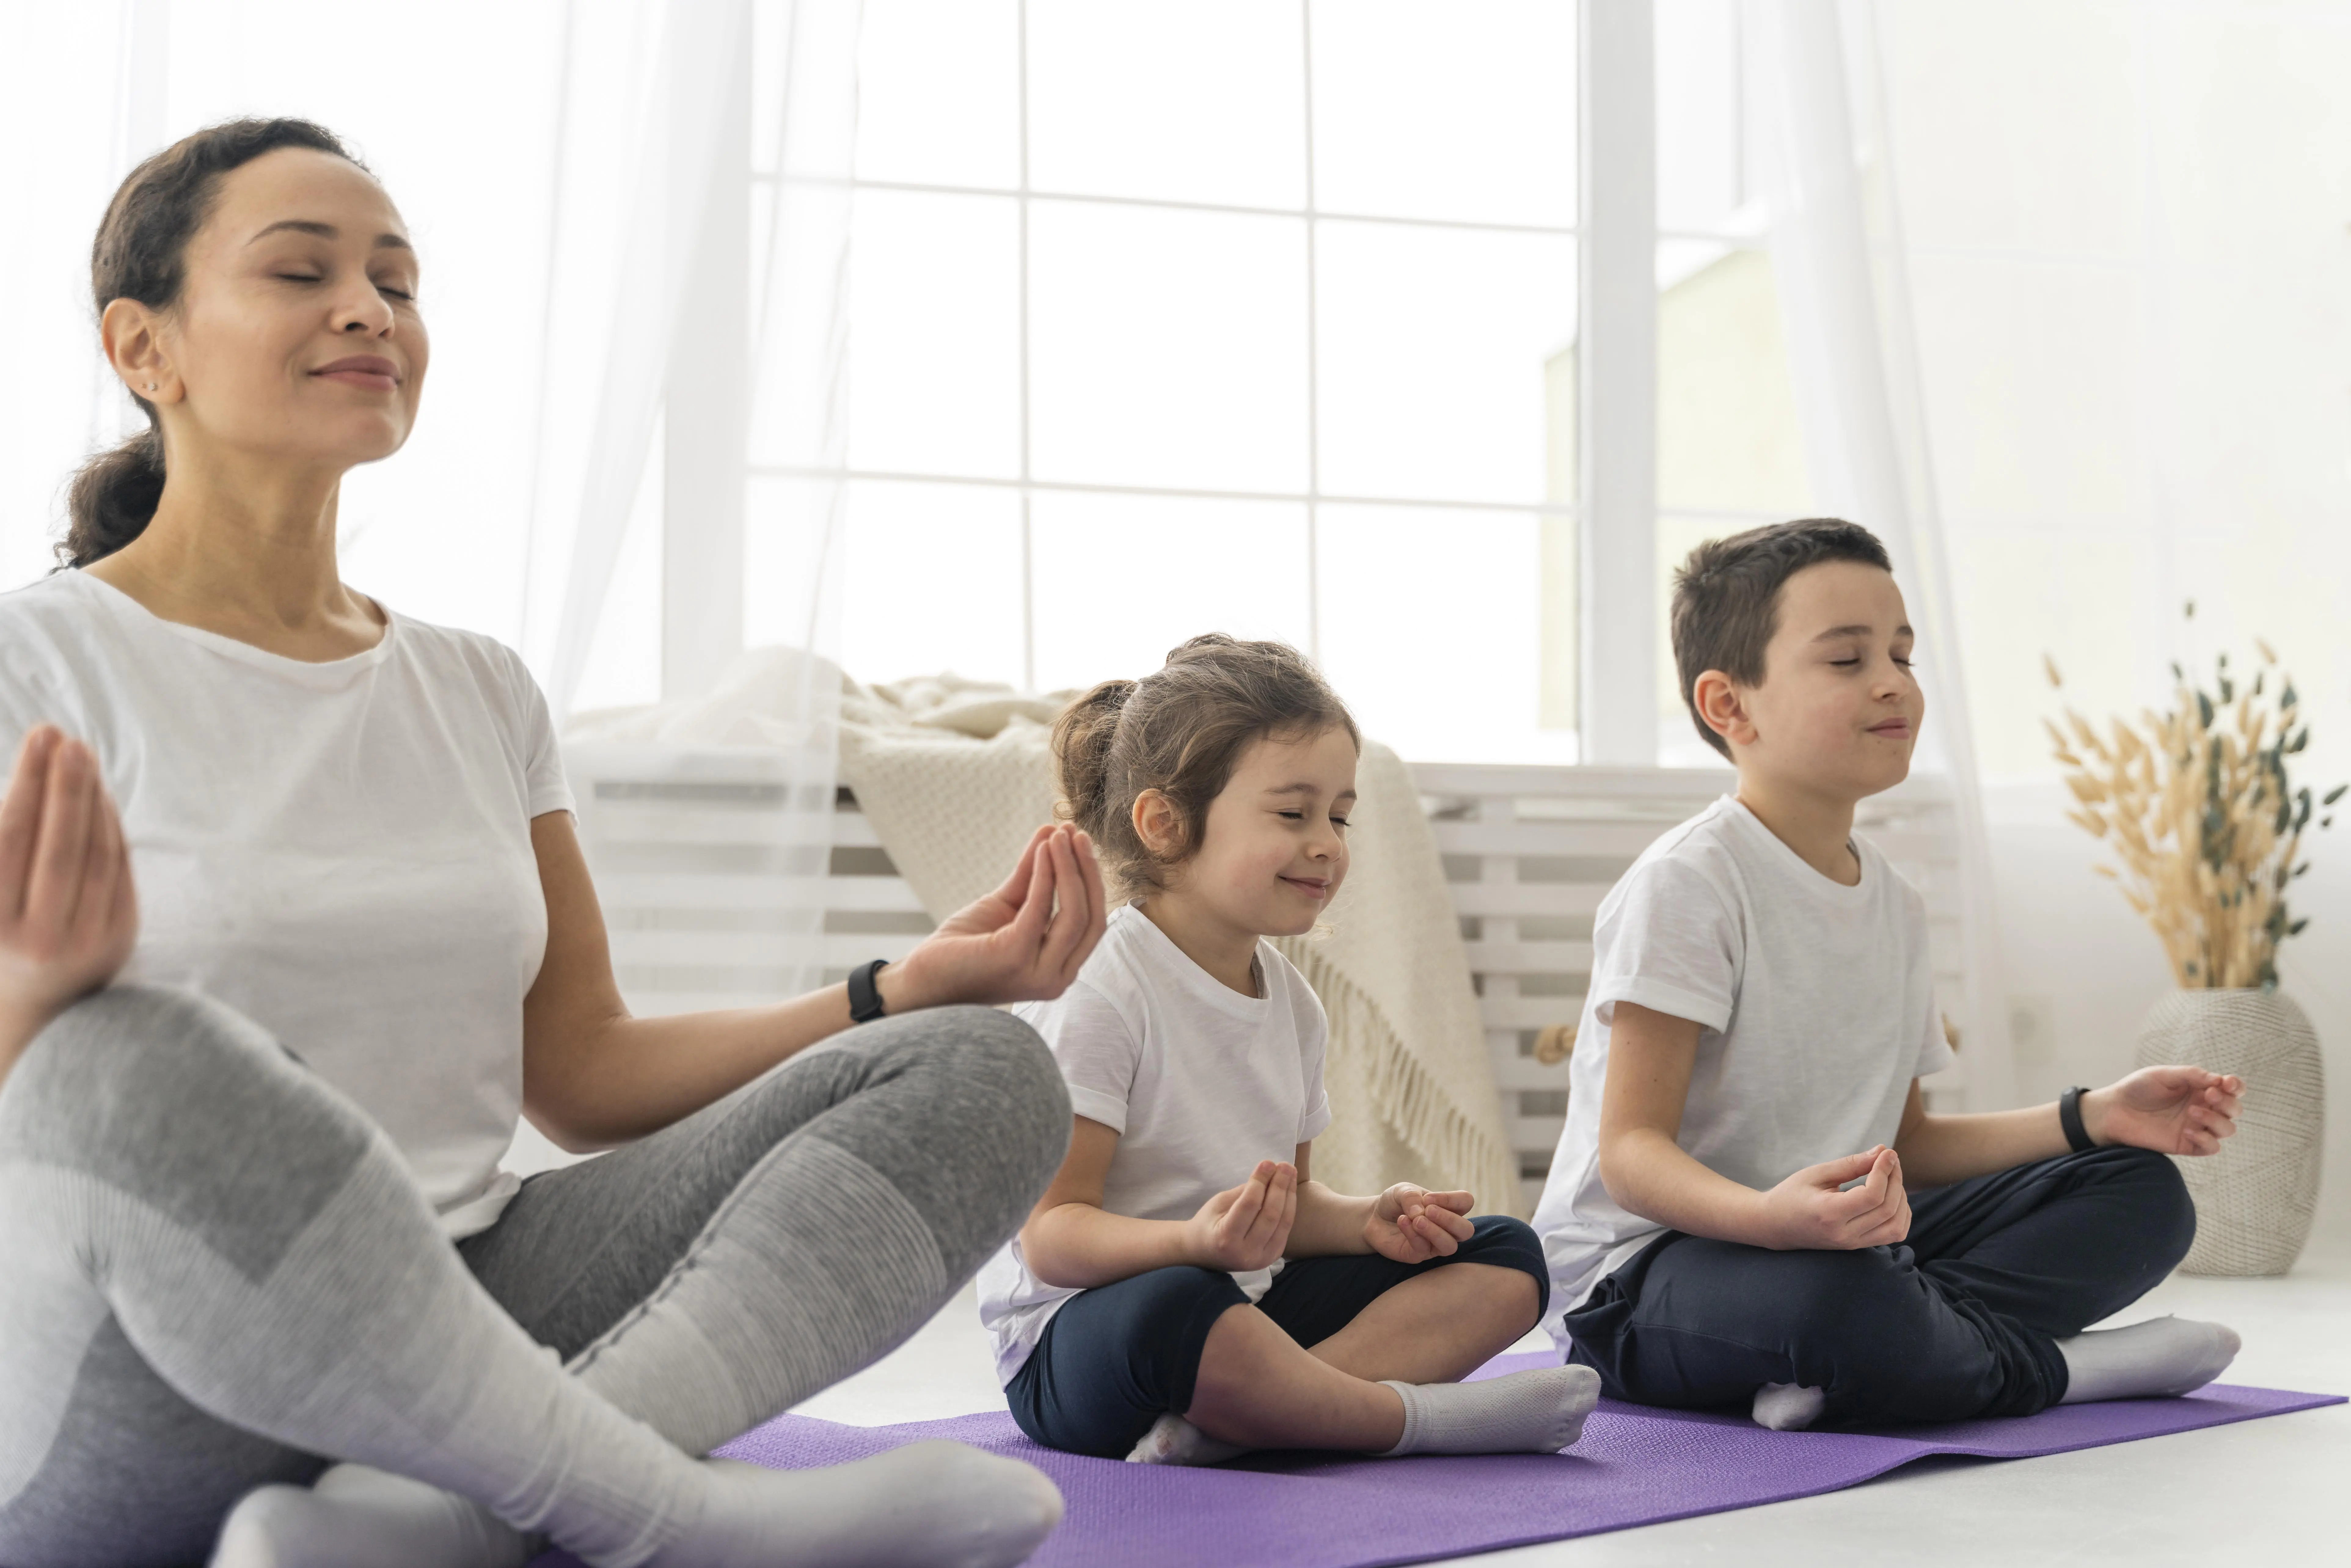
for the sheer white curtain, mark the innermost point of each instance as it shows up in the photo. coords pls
(1836, 247)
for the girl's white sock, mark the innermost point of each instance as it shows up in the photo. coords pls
(940, 1503)
(1173, 1440)
(1540, 1411)
(2160, 1356)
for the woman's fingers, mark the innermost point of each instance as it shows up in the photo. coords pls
(1094, 914)
(1060, 936)
(62, 847)
(20, 816)
(95, 906)
(1018, 882)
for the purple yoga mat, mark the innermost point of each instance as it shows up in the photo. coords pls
(1635, 1464)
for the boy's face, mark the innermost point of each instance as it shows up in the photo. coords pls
(1838, 710)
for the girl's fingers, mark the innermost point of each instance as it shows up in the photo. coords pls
(62, 847)
(1458, 1202)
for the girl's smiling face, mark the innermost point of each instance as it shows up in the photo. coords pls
(1273, 850)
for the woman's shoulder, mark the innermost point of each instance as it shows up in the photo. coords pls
(52, 633)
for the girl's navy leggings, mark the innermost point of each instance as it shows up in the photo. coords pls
(1960, 1321)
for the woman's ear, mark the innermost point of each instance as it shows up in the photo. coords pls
(1722, 705)
(132, 336)
(1159, 825)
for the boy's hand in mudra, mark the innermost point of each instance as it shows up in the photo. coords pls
(2171, 1110)
(1815, 1210)
(1024, 941)
(1411, 1224)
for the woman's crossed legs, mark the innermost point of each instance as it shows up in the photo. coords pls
(220, 1269)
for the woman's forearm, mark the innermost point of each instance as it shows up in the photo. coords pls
(1328, 1224)
(1938, 1150)
(1078, 1246)
(1651, 1176)
(624, 1077)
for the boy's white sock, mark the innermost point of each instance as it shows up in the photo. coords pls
(1540, 1411)
(2159, 1357)
(940, 1503)
(1788, 1406)
(1173, 1440)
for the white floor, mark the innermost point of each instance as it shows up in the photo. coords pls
(2274, 1491)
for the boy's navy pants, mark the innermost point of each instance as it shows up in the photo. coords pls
(1962, 1320)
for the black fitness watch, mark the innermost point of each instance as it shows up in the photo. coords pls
(2069, 1117)
(864, 996)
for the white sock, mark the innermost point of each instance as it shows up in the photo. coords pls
(940, 1503)
(1173, 1440)
(1540, 1411)
(1788, 1406)
(2159, 1358)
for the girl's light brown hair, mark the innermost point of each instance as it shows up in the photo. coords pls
(1181, 731)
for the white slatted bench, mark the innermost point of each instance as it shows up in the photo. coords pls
(699, 882)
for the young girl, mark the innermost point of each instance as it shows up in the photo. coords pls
(1184, 1289)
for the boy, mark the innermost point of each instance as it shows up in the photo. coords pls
(1761, 1005)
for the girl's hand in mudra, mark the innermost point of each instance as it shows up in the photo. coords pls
(1411, 1224)
(1024, 941)
(2171, 1110)
(67, 914)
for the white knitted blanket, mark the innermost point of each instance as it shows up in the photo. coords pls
(955, 775)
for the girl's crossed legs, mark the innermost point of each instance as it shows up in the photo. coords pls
(1338, 1355)
(220, 1270)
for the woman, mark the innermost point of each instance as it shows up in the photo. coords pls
(229, 1182)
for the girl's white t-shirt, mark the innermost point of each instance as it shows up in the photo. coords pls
(1199, 1081)
(1816, 1004)
(342, 850)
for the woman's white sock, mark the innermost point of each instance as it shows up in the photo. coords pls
(940, 1503)
(1173, 1440)
(2161, 1356)
(1788, 1406)
(1540, 1411)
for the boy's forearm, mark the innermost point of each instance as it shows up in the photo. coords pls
(1328, 1223)
(1650, 1175)
(1078, 1247)
(1939, 1150)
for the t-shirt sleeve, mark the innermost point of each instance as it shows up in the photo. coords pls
(1671, 944)
(1313, 1043)
(544, 785)
(1935, 1052)
(1096, 1050)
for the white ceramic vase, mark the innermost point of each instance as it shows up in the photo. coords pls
(2254, 1199)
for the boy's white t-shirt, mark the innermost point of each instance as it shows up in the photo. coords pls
(342, 851)
(1817, 1007)
(1199, 1081)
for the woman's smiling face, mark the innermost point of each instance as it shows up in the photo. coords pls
(296, 335)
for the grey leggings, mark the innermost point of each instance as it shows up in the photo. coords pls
(214, 1274)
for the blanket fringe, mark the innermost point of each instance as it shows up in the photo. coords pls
(1416, 1107)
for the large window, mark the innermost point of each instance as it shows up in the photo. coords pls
(1233, 316)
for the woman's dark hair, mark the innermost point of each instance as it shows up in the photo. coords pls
(1180, 731)
(141, 252)
(1727, 598)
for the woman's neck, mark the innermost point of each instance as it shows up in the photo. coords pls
(249, 555)
(1226, 951)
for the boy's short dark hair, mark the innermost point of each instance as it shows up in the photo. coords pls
(1727, 598)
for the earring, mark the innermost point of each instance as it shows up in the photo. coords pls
(151, 386)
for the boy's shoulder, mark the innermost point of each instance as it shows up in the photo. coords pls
(1701, 856)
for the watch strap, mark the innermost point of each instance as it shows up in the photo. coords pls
(864, 996)
(2069, 1117)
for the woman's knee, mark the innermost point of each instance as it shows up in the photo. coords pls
(997, 1074)
(148, 1076)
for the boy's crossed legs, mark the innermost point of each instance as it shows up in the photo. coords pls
(1358, 1353)
(1981, 1313)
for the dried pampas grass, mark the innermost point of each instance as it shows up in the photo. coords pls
(2197, 807)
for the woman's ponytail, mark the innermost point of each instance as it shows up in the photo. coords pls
(1081, 755)
(141, 252)
(112, 498)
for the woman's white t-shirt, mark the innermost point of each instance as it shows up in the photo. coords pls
(1816, 1004)
(1199, 1081)
(339, 850)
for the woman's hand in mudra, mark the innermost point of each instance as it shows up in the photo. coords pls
(2171, 1110)
(1024, 941)
(67, 914)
